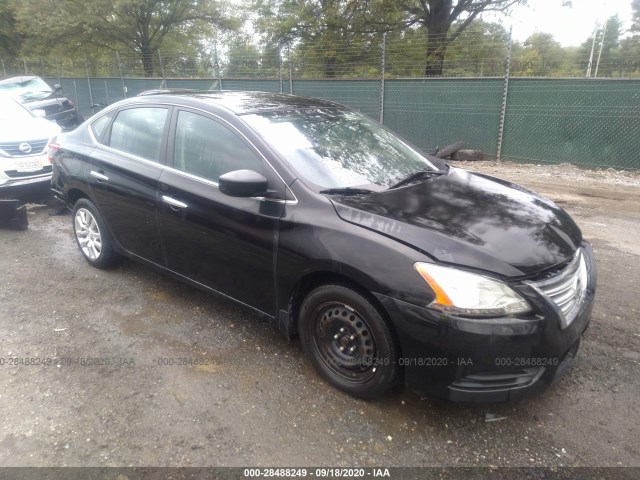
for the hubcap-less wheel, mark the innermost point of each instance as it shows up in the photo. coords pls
(348, 341)
(88, 234)
(344, 342)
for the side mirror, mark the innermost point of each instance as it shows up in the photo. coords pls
(38, 112)
(243, 183)
(57, 88)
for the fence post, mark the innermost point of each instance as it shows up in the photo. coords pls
(58, 72)
(216, 65)
(279, 68)
(593, 48)
(290, 70)
(505, 94)
(24, 63)
(124, 87)
(4, 70)
(382, 71)
(163, 84)
(42, 66)
(86, 69)
(75, 89)
(106, 91)
(604, 33)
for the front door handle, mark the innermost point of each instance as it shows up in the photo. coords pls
(173, 202)
(100, 176)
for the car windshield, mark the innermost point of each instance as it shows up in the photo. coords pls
(338, 148)
(26, 89)
(12, 111)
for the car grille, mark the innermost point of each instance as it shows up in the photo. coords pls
(13, 148)
(15, 174)
(566, 289)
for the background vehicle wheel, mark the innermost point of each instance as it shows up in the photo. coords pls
(348, 341)
(92, 235)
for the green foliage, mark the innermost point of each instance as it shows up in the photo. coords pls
(246, 60)
(10, 39)
(542, 56)
(328, 38)
(139, 27)
(445, 21)
(612, 58)
(320, 39)
(635, 25)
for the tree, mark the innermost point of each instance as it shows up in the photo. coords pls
(329, 36)
(444, 21)
(140, 26)
(10, 40)
(606, 47)
(635, 23)
(479, 51)
(541, 56)
(244, 59)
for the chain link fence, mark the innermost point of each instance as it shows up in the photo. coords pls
(512, 101)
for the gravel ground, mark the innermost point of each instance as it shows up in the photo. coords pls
(253, 399)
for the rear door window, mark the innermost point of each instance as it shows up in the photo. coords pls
(139, 131)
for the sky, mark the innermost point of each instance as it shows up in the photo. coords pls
(570, 26)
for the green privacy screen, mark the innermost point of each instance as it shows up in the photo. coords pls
(361, 95)
(587, 122)
(433, 113)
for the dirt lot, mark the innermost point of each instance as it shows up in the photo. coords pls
(254, 400)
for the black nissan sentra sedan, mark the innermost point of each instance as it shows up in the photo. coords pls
(389, 264)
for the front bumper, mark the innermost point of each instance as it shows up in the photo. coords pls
(27, 189)
(488, 360)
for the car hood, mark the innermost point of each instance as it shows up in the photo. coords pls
(28, 128)
(45, 98)
(470, 219)
(51, 104)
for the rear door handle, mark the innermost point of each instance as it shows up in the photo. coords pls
(100, 176)
(173, 202)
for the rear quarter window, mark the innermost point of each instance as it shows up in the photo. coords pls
(99, 126)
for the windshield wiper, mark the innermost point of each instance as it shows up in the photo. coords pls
(416, 177)
(347, 191)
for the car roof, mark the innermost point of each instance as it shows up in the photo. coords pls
(240, 102)
(23, 78)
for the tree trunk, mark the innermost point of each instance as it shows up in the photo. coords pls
(330, 67)
(436, 50)
(147, 62)
(437, 22)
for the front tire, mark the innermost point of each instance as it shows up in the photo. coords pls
(348, 341)
(92, 235)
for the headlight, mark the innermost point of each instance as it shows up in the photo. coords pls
(468, 294)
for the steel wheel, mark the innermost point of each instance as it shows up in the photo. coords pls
(344, 342)
(88, 234)
(348, 341)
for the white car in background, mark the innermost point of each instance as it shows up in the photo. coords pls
(25, 171)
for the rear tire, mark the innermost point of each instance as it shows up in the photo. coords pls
(92, 235)
(348, 341)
